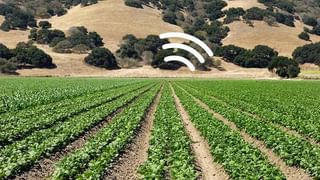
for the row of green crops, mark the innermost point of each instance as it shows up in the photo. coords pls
(239, 158)
(23, 124)
(169, 151)
(293, 150)
(19, 95)
(296, 108)
(91, 161)
(23, 153)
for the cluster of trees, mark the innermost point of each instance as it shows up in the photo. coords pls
(259, 14)
(103, 58)
(285, 5)
(147, 50)
(16, 18)
(233, 14)
(309, 53)
(47, 9)
(260, 57)
(25, 54)
(78, 41)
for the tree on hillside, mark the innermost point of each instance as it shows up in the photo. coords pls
(309, 53)
(45, 25)
(102, 57)
(304, 36)
(284, 67)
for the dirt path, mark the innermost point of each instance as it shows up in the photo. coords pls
(45, 167)
(282, 128)
(209, 169)
(291, 173)
(126, 167)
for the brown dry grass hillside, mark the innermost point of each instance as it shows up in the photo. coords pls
(112, 20)
(245, 4)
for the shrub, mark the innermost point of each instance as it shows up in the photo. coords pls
(133, 3)
(4, 52)
(45, 25)
(309, 53)
(304, 36)
(102, 57)
(285, 67)
(158, 61)
(169, 17)
(29, 54)
(80, 49)
(63, 47)
(309, 20)
(7, 67)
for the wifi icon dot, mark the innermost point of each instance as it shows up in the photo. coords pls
(191, 50)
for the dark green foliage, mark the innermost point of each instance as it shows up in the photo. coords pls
(16, 18)
(316, 30)
(102, 57)
(46, 8)
(233, 14)
(45, 25)
(132, 47)
(309, 53)
(284, 67)
(311, 21)
(133, 3)
(281, 4)
(259, 57)
(7, 67)
(5, 52)
(169, 17)
(62, 44)
(256, 13)
(230, 52)
(45, 36)
(29, 54)
(305, 36)
(158, 61)
(214, 9)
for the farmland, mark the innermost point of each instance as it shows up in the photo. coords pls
(98, 128)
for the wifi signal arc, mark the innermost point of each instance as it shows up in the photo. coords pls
(186, 48)
(188, 37)
(182, 60)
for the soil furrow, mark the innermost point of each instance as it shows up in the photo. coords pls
(209, 170)
(45, 167)
(291, 173)
(283, 128)
(136, 153)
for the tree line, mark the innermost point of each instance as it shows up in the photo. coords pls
(24, 55)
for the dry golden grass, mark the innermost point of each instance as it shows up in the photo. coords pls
(245, 4)
(282, 38)
(11, 38)
(112, 19)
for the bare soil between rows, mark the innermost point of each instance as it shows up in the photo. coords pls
(291, 173)
(136, 153)
(209, 170)
(44, 168)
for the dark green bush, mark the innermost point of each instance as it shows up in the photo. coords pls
(309, 53)
(102, 57)
(305, 36)
(133, 3)
(284, 67)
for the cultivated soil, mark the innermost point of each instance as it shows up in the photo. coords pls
(209, 170)
(291, 173)
(136, 153)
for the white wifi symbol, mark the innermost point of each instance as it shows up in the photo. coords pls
(186, 48)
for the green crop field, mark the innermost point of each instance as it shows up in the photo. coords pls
(95, 128)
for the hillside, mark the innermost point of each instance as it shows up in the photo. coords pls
(112, 19)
